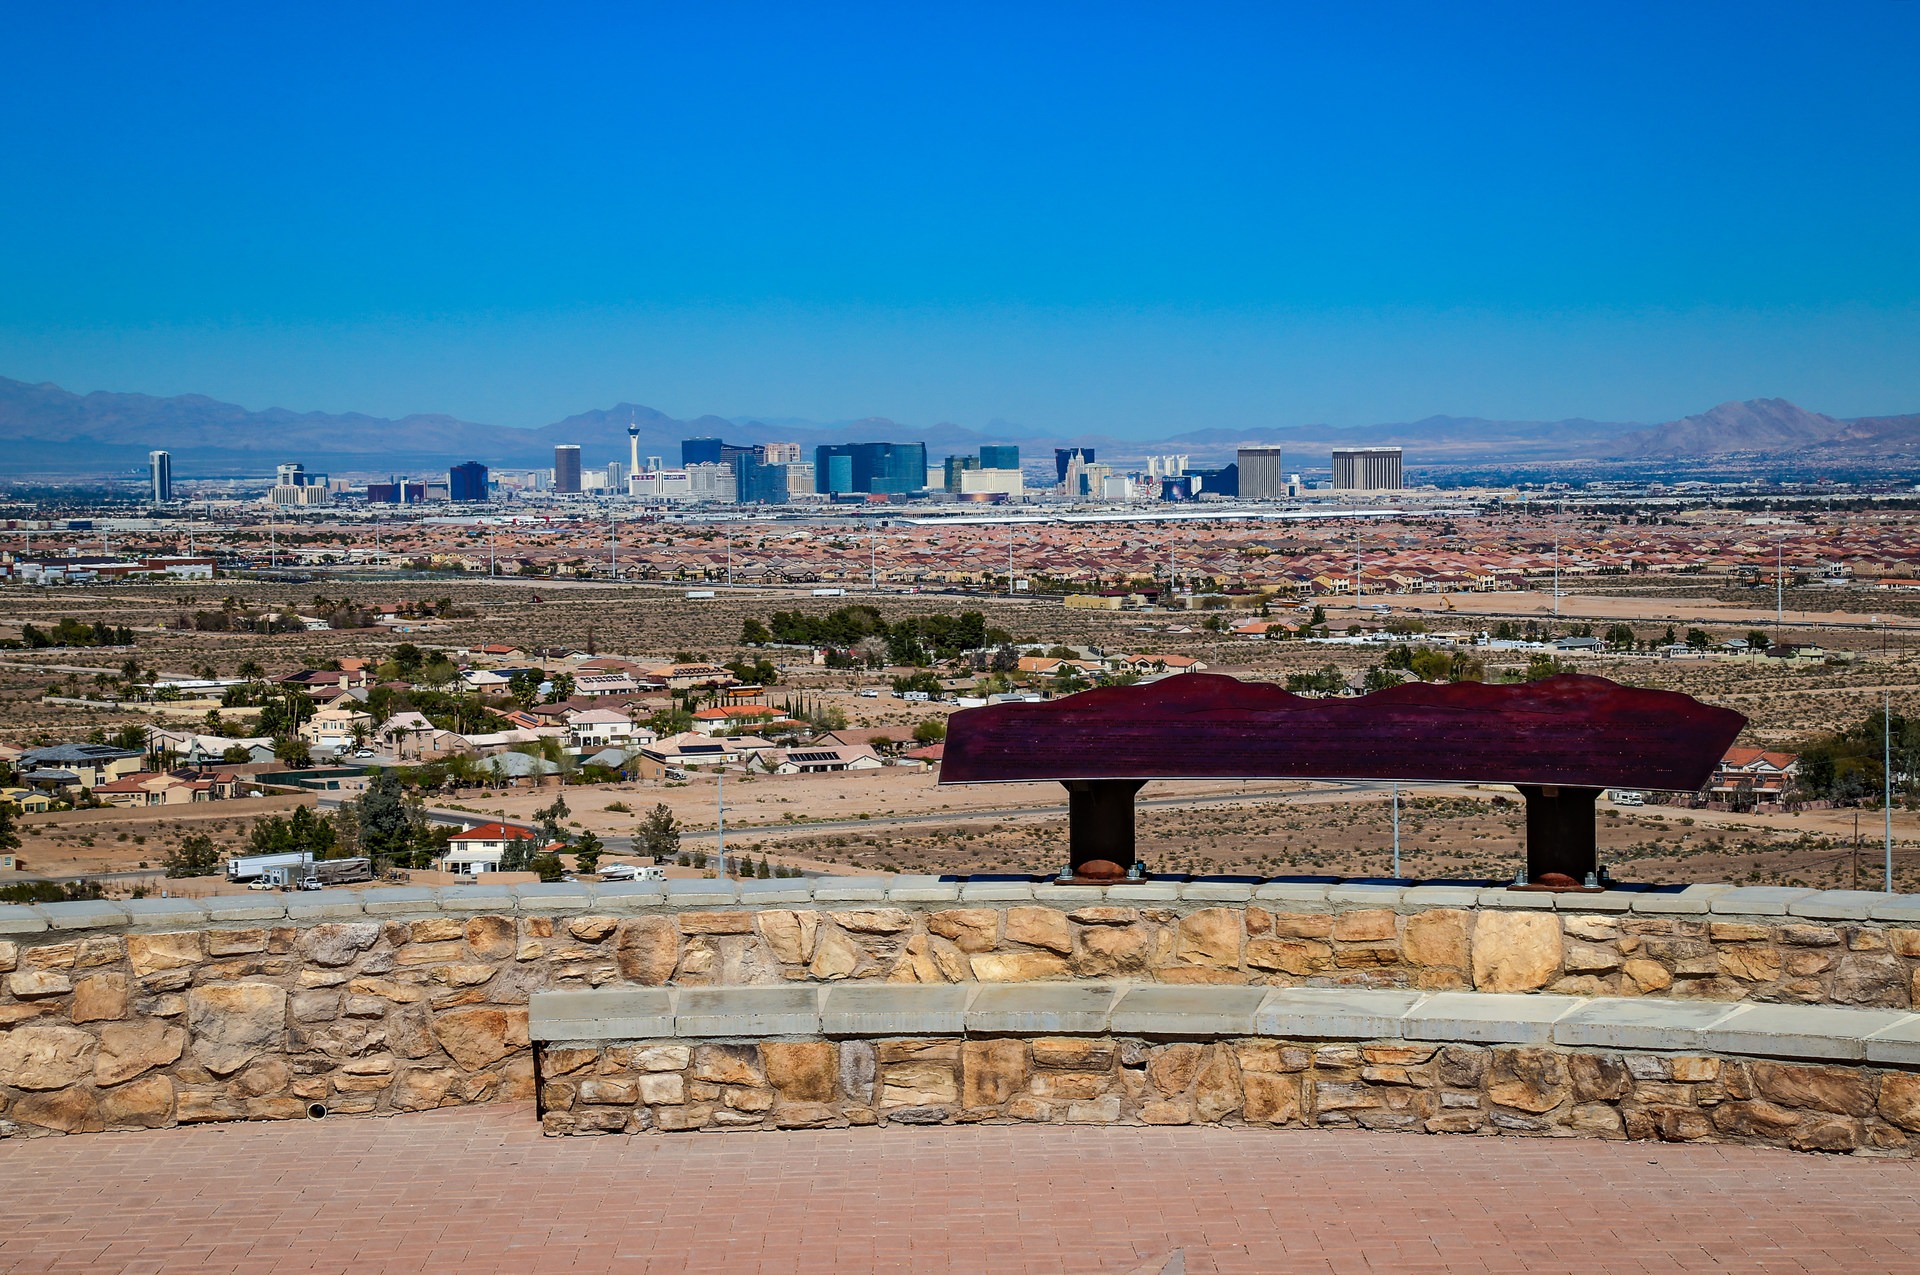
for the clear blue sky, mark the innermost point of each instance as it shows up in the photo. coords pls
(1125, 217)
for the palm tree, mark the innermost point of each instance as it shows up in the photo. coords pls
(251, 670)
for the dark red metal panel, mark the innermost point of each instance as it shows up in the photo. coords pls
(1571, 729)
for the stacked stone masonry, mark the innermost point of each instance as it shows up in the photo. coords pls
(1387, 1085)
(157, 1012)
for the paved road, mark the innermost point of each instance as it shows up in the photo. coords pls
(474, 1191)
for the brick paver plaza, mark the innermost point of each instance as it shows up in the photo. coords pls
(477, 1190)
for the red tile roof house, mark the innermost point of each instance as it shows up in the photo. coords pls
(1753, 773)
(479, 850)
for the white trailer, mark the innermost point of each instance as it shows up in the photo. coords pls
(251, 867)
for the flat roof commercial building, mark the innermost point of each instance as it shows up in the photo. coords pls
(1260, 474)
(1367, 469)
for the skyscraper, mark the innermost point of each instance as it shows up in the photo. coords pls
(566, 469)
(1367, 469)
(160, 477)
(633, 452)
(871, 467)
(1260, 475)
(1061, 455)
(467, 482)
(999, 457)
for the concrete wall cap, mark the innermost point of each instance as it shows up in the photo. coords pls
(1897, 907)
(628, 896)
(1632, 1022)
(1214, 891)
(1691, 901)
(1757, 900)
(323, 905)
(1607, 901)
(1366, 895)
(1897, 1045)
(1487, 1018)
(921, 887)
(222, 908)
(172, 913)
(882, 1009)
(1189, 1012)
(850, 889)
(682, 892)
(1335, 1013)
(1069, 895)
(476, 898)
(1500, 896)
(1414, 898)
(84, 914)
(1065, 1008)
(996, 892)
(1801, 1031)
(21, 918)
(771, 891)
(1295, 892)
(391, 900)
(747, 1011)
(1837, 905)
(625, 1013)
(552, 896)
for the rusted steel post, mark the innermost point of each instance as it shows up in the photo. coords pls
(1561, 849)
(1100, 843)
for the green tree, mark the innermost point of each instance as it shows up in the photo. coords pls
(407, 658)
(9, 834)
(548, 866)
(550, 817)
(1430, 665)
(524, 688)
(1621, 637)
(1758, 641)
(754, 633)
(293, 753)
(386, 831)
(195, 856)
(586, 853)
(1698, 639)
(658, 834)
(930, 731)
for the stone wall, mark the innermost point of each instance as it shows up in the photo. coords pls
(157, 1012)
(1388, 1085)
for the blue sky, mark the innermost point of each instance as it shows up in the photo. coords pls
(1128, 218)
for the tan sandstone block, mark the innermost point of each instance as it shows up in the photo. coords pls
(789, 935)
(1515, 951)
(1040, 927)
(477, 1038)
(1271, 1099)
(99, 998)
(1436, 938)
(151, 953)
(802, 1071)
(232, 1025)
(46, 1057)
(1210, 936)
(646, 950)
(992, 1071)
(971, 929)
(128, 1049)
(1017, 967)
(1372, 925)
(144, 1104)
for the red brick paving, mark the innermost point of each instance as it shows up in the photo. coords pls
(477, 1190)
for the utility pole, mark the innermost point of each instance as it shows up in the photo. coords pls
(1396, 830)
(1010, 559)
(1886, 777)
(720, 824)
(493, 568)
(1556, 575)
(729, 557)
(873, 547)
(1779, 586)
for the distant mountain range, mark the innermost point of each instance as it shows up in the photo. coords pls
(45, 429)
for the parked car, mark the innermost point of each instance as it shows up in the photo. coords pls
(364, 752)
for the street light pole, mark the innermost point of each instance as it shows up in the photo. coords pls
(720, 823)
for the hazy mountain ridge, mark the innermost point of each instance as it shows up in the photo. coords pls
(44, 428)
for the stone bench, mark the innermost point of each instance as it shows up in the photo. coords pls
(1198, 1013)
